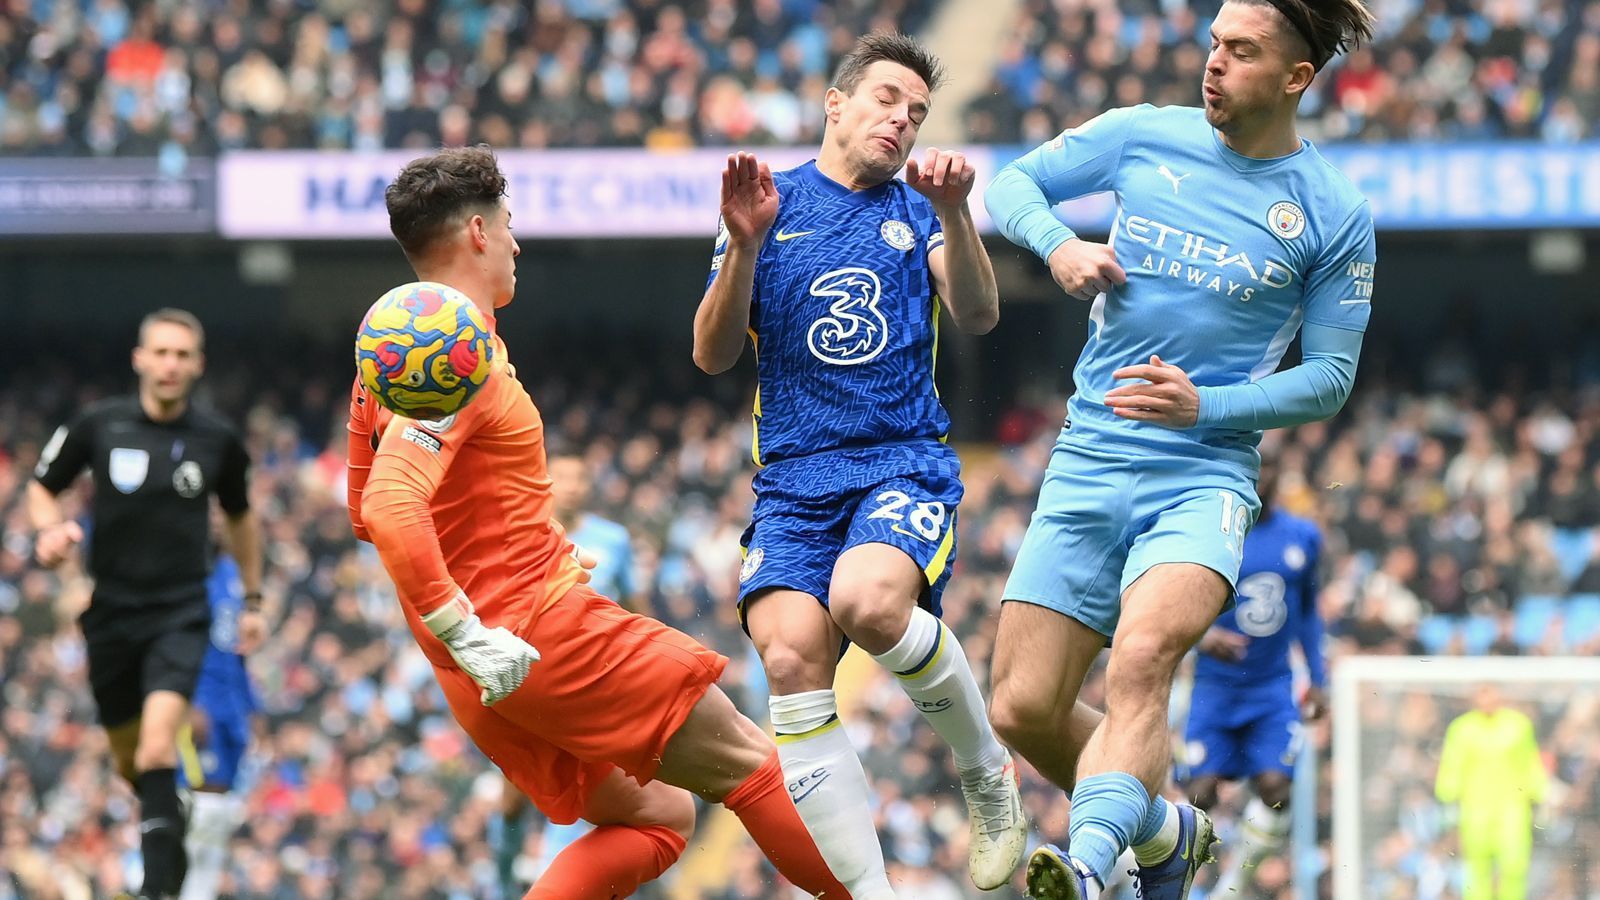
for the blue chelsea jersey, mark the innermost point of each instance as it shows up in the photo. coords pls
(1277, 607)
(224, 685)
(843, 318)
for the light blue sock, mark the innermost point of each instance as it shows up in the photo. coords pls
(1150, 825)
(1107, 810)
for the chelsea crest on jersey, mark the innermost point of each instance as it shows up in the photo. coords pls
(843, 318)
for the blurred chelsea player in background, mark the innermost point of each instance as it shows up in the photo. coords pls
(221, 720)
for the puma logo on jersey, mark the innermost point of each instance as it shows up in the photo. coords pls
(1167, 174)
(791, 235)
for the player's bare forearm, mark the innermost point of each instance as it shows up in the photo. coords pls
(44, 508)
(963, 275)
(724, 314)
(244, 539)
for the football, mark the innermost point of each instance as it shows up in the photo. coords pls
(423, 350)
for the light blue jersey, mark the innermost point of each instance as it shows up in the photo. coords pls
(1226, 258)
(609, 544)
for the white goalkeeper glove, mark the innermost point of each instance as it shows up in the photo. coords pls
(494, 658)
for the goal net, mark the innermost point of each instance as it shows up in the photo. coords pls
(1393, 839)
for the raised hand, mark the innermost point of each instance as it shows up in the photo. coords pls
(944, 177)
(749, 199)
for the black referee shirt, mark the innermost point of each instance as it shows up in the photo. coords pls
(152, 481)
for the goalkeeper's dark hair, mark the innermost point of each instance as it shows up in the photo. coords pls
(1324, 28)
(437, 192)
(888, 46)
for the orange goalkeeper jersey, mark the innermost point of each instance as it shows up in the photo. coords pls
(461, 504)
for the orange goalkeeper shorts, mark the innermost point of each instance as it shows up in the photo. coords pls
(610, 689)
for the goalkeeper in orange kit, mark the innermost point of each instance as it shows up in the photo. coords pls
(1490, 766)
(591, 710)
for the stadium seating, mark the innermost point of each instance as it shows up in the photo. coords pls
(123, 78)
(1534, 615)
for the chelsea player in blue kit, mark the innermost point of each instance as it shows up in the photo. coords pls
(836, 271)
(225, 704)
(1243, 720)
(1232, 235)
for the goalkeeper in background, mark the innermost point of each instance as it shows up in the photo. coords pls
(1490, 768)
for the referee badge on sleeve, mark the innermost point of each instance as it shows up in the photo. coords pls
(127, 468)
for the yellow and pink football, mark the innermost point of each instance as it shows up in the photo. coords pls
(423, 350)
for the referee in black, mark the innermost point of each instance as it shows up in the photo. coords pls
(156, 460)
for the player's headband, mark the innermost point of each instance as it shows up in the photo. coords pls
(1298, 16)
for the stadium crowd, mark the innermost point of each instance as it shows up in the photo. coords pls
(1447, 505)
(1450, 70)
(131, 78)
(194, 77)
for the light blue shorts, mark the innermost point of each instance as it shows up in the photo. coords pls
(1106, 517)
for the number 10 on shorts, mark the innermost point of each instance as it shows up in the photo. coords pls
(1235, 520)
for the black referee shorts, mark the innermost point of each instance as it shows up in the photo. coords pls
(134, 650)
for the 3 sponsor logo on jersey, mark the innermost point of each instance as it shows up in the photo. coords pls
(853, 330)
(1262, 609)
(1205, 261)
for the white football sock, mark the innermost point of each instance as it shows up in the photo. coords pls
(213, 818)
(933, 671)
(1262, 833)
(1159, 848)
(829, 788)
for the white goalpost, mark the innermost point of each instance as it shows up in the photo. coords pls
(1389, 717)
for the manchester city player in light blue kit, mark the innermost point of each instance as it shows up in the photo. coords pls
(1232, 235)
(213, 752)
(836, 271)
(1243, 720)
